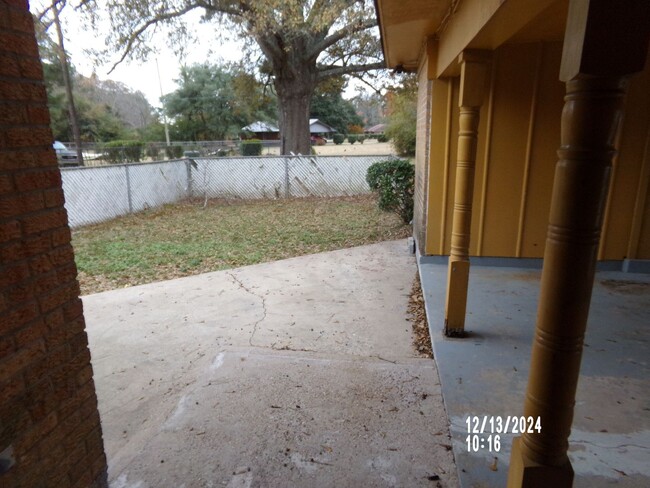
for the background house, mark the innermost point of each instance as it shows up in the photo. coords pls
(270, 132)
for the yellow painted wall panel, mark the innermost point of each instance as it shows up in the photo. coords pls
(643, 246)
(514, 82)
(545, 142)
(453, 149)
(437, 164)
(525, 129)
(627, 169)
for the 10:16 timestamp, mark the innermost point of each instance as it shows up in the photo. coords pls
(476, 442)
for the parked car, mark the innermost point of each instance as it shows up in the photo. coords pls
(65, 156)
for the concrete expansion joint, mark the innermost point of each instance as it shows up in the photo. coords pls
(238, 282)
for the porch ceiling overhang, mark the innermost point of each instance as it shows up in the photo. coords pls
(454, 25)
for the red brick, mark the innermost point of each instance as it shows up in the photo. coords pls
(12, 252)
(81, 476)
(85, 375)
(12, 160)
(12, 274)
(7, 346)
(16, 205)
(55, 338)
(80, 359)
(20, 293)
(50, 219)
(38, 115)
(31, 333)
(61, 255)
(6, 184)
(54, 319)
(37, 245)
(54, 197)
(12, 113)
(45, 283)
(15, 418)
(17, 4)
(21, 21)
(38, 180)
(40, 264)
(71, 404)
(61, 236)
(9, 231)
(17, 362)
(73, 309)
(94, 444)
(58, 297)
(9, 66)
(67, 273)
(39, 431)
(33, 136)
(18, 43)
(98, 469)
(12, 388)
(18, 317)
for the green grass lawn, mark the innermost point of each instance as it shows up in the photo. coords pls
(185, 239)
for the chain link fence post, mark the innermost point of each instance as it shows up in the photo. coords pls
(287, 188)
(188, 166)
(128, 188)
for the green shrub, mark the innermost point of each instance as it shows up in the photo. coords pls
(382, 138)
(352, 138)
(174, 152)
(393, 181)
(152, 151)
(118, 152)
(251, 147)
(338, 138)
(361, 138)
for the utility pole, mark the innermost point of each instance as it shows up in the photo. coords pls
(163, 104)
(74, 121)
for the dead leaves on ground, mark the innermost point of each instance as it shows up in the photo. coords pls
(417, 314)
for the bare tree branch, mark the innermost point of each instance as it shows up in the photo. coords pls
(340, 34)
(347, 70)
(133, 37)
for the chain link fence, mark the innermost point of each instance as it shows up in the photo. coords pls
(96, 194)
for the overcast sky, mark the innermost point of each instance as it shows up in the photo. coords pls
(137, 75)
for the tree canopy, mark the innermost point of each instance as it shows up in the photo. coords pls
(303, 43)
(214, 102)
(105, 109)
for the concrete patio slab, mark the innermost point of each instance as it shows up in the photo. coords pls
(292, 373)
(485, 374)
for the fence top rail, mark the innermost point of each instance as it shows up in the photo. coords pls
(234, 158)
(122, 165)
(299, 156)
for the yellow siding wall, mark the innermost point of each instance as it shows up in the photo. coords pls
(519, 135)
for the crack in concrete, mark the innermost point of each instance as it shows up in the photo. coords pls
(237, 281)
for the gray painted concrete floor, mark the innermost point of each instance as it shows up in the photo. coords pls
(292, 373)
(486, 373)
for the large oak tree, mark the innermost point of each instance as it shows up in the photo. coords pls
(303, 43)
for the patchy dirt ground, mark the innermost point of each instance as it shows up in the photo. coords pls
(421, 338)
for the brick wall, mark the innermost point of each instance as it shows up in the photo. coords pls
(423, 129)
(50, 433)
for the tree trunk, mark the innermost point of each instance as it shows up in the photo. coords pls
(294, 125)
(63, 57)
(294, 98)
